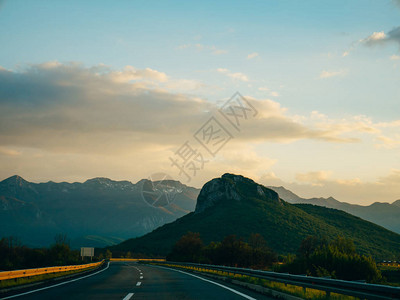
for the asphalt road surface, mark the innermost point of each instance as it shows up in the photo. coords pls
(122, 280)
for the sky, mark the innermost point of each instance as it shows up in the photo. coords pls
(127, 89)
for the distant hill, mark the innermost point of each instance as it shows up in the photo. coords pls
(384, 214)
(237, 205)
(97, 213)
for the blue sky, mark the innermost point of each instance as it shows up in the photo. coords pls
(329, 66)
(295, 41)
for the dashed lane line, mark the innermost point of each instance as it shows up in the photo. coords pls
(129, 296)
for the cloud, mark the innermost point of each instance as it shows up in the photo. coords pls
(380, 38)
(222, 70)
(234, 75)
(71, 108)
(315, 178)
(184, 85)
(92, 120)
(9, 152)
(271, 93)
(387, 142)
(238, 76)
(374, 38)
(129, 73)
(329, 74)
(252, 55)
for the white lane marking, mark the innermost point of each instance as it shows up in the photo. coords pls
(138, 283)
(129, 296)
(141, 277)
(216, 283)
(58, 284)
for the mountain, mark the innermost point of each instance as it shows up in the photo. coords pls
(97, 213)
(237, 205)
(384, 214)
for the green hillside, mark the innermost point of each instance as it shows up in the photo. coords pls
(237, 205)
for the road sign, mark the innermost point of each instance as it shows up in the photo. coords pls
(86, 251)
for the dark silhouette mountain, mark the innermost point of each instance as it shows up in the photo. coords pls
(98, 212)
(237, 205)
(384, 214)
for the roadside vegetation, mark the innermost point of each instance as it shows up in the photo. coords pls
(390, 273)
(337, 259)
(15, 256)
(231, 251)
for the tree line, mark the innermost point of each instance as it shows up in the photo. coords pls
(336, 259)
(231, 251)
(14, 255)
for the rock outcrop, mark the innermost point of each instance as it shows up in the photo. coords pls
(230, 188)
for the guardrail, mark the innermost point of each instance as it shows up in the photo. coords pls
(48, 270)
(350, 288)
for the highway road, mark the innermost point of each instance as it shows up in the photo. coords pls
(130, 281)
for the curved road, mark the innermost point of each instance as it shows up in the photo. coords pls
(122, 280)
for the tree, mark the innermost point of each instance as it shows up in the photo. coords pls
(337, 259)
(108, 254)
(188, 248)
(60, 252)
(344, 245)
(256, 241)
(309, 245)
(61, 239)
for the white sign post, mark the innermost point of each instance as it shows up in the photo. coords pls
(86, 251)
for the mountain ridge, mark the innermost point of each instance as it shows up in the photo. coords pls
(381, 213)
(106, 209)
(237, 205)
(19, 209)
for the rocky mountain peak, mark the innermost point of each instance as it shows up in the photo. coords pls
(98, 180)
(231, 187)
(15, 181)
(397, 203)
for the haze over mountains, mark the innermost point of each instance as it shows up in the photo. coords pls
(384, 214)
(97, 212)
(101, 212)
(237, 205)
